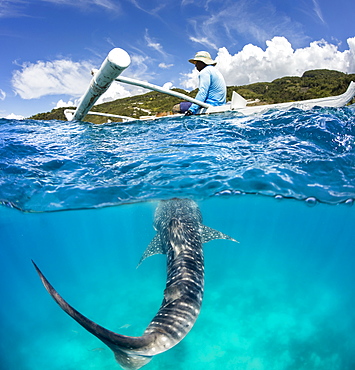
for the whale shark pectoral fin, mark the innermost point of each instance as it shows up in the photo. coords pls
(209, 234)
(155, 247)
(130, 361)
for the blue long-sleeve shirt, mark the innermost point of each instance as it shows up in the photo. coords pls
(212, 88)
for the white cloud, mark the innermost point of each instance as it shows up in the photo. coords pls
(168, 85)
(154, 45)
(230, 20)
(115, 91)
(51, 78)
(190, 80)
(279, 59)
(2, 95)
(65, 77)
(61, 103)
(106, 4)
(204, 41)
(165, 66)
(17, 8)
(318, 11)
(10, 8)
(140, 68)
(14, 116)
(155, 10)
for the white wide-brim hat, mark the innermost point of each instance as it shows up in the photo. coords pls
(203, 56)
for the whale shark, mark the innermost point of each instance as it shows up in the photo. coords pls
(180, 235)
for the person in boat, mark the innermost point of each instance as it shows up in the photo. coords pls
(212, 87)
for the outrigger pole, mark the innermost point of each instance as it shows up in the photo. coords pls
(147, 85)
(115, 63)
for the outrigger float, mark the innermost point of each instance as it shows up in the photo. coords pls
(118, 60)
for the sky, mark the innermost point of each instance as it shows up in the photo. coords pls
(48, 47)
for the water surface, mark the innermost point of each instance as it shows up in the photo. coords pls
(281, 183)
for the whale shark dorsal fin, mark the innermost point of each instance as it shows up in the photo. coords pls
(155, 247)
(209, 234)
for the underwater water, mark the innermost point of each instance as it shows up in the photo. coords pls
(79, 200)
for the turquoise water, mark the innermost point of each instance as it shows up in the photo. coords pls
(282, 184)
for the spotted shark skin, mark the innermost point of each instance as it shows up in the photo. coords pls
(180, 235)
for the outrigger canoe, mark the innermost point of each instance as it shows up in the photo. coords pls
(118, 60)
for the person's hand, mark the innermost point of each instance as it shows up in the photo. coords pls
(188, 113)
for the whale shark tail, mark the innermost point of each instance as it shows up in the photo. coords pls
(129, 351)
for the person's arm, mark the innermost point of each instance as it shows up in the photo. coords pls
(204, 85)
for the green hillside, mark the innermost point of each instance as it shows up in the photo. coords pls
(313, 84)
